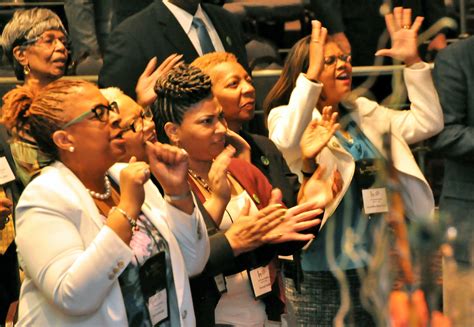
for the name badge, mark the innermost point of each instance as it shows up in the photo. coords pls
(6, 173)
(261, 281)
(375, 200)
(153, 283)
(220, 283)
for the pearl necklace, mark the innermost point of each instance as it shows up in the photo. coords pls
(102, 196)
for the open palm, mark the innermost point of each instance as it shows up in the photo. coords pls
(403, 35)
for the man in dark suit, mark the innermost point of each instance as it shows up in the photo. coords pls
(454, 80)
(158, 31)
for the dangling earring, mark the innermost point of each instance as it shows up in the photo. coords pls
(26, 69)
(71, 149)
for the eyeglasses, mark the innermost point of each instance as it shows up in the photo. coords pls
(137, 124)
(331, 60)
(100, 112)
(49, 41)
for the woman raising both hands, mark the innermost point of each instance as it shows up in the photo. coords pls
(318, 74)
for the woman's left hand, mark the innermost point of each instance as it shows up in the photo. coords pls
(221, 189)
(403, 35)
(169, 164)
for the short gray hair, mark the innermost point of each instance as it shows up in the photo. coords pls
(25, 25)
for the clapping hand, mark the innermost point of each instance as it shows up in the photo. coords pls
(403, 35)
(249, 231)
(145, 88)
(318, 133)
(218, 180)
(321, 191)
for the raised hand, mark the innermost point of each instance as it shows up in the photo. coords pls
(132, 193)
(169, 164)
(146, 82)
(403, 35)
(316, 50)
(318, 133)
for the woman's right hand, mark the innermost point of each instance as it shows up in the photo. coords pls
(316, 50)
(132, 193)
(318, 133)
(145, 88)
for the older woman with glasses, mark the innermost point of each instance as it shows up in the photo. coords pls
(93, 254)
(37, 45)
(316, 75)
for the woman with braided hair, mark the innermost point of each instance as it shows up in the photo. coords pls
(94, 254)
(249, 224)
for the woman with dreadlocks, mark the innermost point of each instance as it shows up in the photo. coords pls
(95, 254)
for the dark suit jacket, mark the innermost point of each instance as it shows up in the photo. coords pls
(154, 31)
(269, 160)
(454, 80)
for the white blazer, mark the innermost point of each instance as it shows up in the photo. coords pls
(286, 125)
(72, 260)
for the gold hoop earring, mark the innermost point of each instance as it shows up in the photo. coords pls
(26, 70)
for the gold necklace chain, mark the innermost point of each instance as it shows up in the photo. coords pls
(200, 180)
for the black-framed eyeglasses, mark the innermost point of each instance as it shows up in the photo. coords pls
(100, 112)
(331, 60)
(137, 124)
(49, 41)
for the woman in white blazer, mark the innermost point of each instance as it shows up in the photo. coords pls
(76, 236)
(297, 99)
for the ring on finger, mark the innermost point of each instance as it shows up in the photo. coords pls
(315, 41)
(146, 171)
(406, 27)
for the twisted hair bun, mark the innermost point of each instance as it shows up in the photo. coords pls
(177, 91)
(184, 83)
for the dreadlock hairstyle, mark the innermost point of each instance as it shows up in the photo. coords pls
(177, 91)
(38, 115)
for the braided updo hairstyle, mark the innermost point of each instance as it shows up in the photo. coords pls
(177, 91)
(38, 115)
